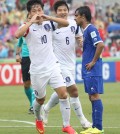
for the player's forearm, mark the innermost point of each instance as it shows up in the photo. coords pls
(20, 32)
(79, 40)
(98, 52)
(60, 21)
(18, 50)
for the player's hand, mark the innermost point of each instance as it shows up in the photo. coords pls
(90, 65)
(35, 19)
(80, 41)
(45, 17)
(18, 58)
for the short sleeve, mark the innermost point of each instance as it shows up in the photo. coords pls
(54, 25)
(94, 35)
(20, 42)
(78, 32)
(26, 33)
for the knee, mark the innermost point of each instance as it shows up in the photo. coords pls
(73, 92)
(94, 97)
(40, 101)
(63, 95)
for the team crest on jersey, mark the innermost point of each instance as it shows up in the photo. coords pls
(73, 29)
(68, 79)
(47, 27)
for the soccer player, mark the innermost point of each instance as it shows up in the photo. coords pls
(64, 40)
(91, 67)
(25, 65)
(44, 66)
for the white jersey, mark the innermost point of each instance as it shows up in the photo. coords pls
(64, 44)
(39, 40)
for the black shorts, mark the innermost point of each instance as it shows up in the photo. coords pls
(25, 66)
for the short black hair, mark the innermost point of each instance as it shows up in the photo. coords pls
(85, 10)
(60, 3)
(30, 3)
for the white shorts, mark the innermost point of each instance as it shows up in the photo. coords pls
(39, 83)
(69, 77)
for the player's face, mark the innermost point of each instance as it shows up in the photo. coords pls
(36, 9)
(78, 19)
(62, 12)
(28, 18)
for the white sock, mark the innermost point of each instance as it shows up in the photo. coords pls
(54, 100)
(37, 110)
(76, 105)
(65, 110)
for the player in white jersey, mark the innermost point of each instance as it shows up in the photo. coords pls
(64, 40)
(44, 66)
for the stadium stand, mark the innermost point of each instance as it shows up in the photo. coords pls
(12, 15)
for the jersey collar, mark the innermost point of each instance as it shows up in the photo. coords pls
(86, 27)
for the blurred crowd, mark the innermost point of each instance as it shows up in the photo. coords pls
(106, 18)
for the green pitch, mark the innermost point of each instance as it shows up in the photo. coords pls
(14, 106)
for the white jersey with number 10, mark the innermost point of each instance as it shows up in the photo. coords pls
(39, 40)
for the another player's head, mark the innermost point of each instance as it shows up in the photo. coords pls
(83, 15)
(35, 7)
(61, 9)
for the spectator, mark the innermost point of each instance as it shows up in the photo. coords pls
(114, 52)
(3, 51)
(109, 14)
(13, 13)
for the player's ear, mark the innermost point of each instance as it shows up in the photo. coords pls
(83, 16)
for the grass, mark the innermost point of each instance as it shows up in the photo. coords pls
(14, 106)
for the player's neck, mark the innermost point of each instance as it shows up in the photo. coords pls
(85, 25)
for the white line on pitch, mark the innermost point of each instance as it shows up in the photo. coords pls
(33, 124)
(14, 126)
(27, 122)
(49, 127)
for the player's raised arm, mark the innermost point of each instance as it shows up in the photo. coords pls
(60, 21)
(22, 30)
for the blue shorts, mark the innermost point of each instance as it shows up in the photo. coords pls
(93, 85)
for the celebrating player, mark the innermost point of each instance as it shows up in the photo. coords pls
(44, 66)
(64, 40)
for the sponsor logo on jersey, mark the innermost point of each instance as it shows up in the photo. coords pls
(57, 32)
(92, 89)
(72, 29)
(34, 30)
(47, 27)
